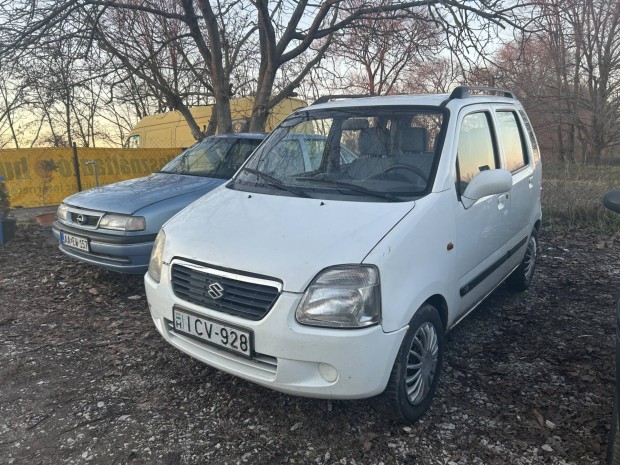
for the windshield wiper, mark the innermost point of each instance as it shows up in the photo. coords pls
(356, 188)
(275, 182)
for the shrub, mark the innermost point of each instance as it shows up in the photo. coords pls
(572, 193)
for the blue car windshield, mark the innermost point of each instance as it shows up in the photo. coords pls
(361, 154)
(215, 157)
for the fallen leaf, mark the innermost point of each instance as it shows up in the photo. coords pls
(539, 418)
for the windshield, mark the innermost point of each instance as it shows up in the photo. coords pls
(216, 157)
(364, 154)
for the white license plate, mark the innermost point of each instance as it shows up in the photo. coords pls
(214, 332)
(76, 242)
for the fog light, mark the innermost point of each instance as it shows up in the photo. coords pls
(328, 372)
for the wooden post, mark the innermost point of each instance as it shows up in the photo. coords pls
(76, 166)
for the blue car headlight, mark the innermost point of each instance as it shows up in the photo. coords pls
(122, 222)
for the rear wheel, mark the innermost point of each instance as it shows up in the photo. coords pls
(521, 278)
(416, 371)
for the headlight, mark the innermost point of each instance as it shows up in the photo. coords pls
(157, 256)
(62, 211)
(122, 222)
(346, 296)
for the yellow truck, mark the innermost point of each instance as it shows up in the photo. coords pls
(170, 129)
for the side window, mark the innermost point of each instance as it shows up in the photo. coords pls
(512, 140)
(476, 151)
(133, 142)
(530, 132)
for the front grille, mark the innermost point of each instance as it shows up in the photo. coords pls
(84, 220)
(243, 296)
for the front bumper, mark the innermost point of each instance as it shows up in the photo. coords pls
(288, 355)
(126, 254)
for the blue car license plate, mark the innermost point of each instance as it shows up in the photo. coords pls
(75, 242)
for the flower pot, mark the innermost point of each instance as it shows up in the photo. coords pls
(45, 220)
(8, 229)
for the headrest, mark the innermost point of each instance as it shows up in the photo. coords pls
(371, 142)
(354, 124)
(413, 139)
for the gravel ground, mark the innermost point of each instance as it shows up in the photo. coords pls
(86, 379)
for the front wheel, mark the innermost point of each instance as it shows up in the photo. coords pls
(521, 278)
(416, 371)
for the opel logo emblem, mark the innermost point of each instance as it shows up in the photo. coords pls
(80, 219)
(216, 291)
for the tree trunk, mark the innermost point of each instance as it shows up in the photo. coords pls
(221, 81)
(260, 109)
(212, 126)
(191, 122)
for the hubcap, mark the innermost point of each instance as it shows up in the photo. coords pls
(530, 258)
(421, 363)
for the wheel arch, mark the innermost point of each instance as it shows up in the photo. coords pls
(439, 302)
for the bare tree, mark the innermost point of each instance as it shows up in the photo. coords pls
(379, 51)
(438, 75)
(568, 75)
(12, 99)
(285, 37)
(601, 67)
(260, 47)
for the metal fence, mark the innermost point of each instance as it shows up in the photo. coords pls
(45, 176)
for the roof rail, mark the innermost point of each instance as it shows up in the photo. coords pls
(327, 98)
(466, 91)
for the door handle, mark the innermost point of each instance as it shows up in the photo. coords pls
(531, 183)
(501, 200)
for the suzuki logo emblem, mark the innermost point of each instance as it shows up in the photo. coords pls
(216, 291)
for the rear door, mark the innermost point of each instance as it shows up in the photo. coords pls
(525, 190)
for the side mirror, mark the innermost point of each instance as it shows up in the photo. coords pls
(488, 182)
(611, 200)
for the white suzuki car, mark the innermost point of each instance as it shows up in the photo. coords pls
(338, 277)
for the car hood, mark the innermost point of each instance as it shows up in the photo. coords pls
(130, 196)
(287, 238)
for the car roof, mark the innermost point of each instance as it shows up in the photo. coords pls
(433, 100)
(383, 100)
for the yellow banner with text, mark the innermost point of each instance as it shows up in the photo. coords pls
(45, 176)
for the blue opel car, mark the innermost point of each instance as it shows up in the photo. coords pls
(114, 226)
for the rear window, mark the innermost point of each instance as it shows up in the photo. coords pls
(530, 133)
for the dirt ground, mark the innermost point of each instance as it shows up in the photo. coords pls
(86, 379)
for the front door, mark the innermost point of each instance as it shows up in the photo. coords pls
(482, 230)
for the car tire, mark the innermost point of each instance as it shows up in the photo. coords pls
(521, 278)
(417, 368)
(613, 443)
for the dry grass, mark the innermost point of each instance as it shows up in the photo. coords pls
(572, 194)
